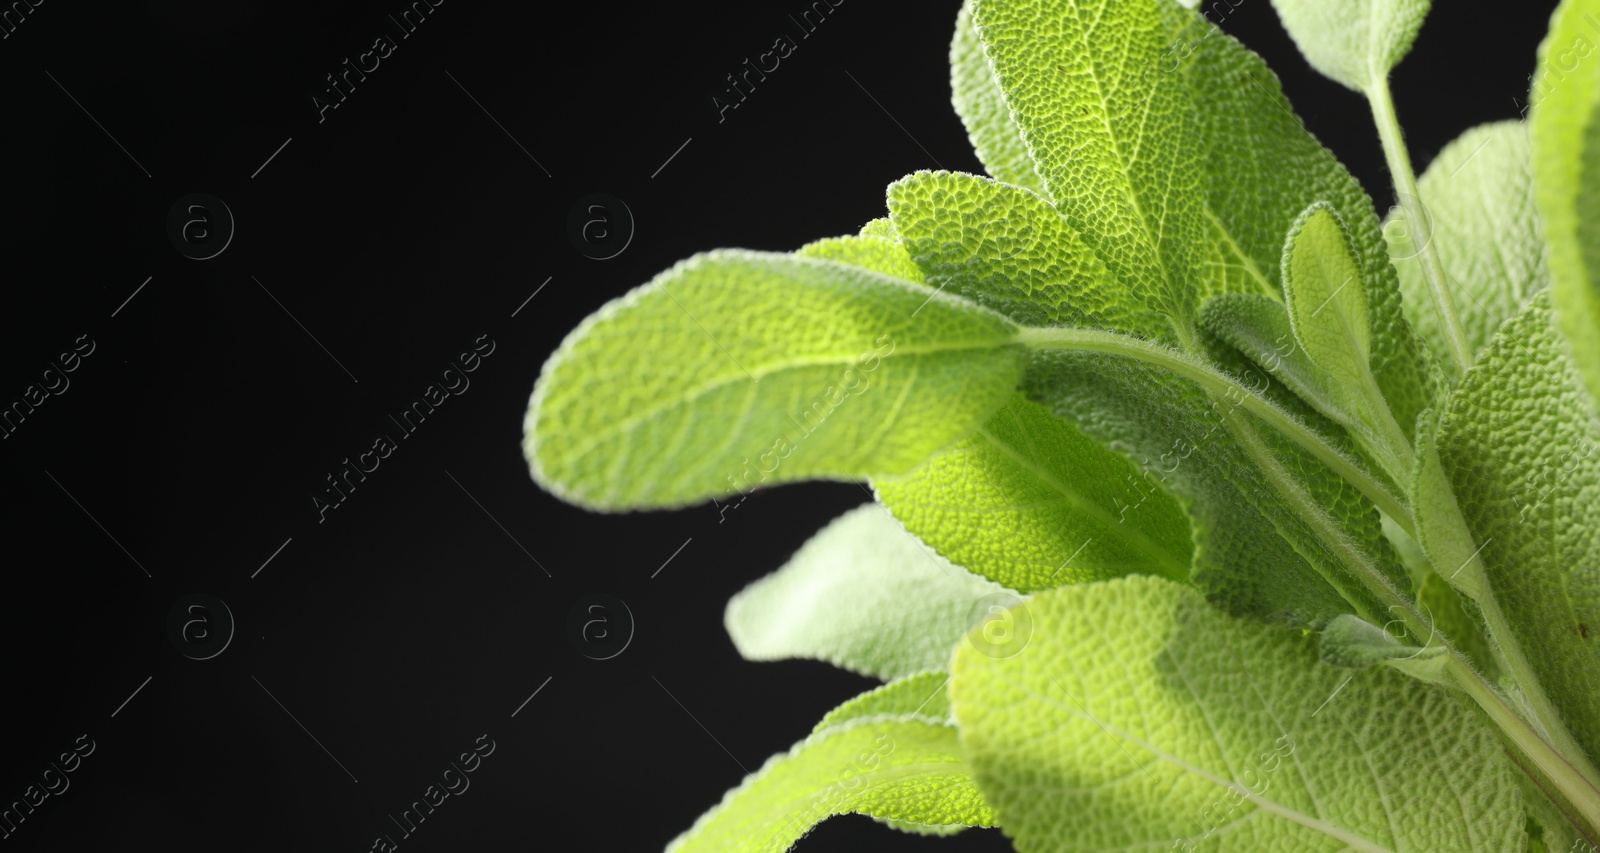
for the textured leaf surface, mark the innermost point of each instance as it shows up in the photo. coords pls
(1326, 298)
(1139, 715)
(1028, 500)
(1458, 618)
(982, 107)
(1566, 168)
(923, 694)
(1354, 42)
(895, 768)
(1006, 248)
(1518, 441)
(1110, 139)
(1479, 198)
(1254, 553)
(735, 368)
(880, 227)
(864, 595)
(1032, 502)
(1548, 829)
(880, 254)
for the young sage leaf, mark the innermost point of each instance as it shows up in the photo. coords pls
(1326, 298)
(1263, 170)
(1353, 642)
(1259, 327)
(880, 227)
(1327, 304)
(879, 254)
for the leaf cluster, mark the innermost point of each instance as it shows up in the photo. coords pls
(1211, 511)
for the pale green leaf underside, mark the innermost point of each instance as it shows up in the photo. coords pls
(1478, 194)
(1139, 715)
(1032, 502)
(864, 595)
(1519, 441)
(983, 109)
(923, 694)
(1354, 42)
(735, 369)
(903, 768)
(1566, 146)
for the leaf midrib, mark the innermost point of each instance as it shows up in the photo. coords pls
(754, 377)
(1248, 263)
(1131, 536)
(1130, 191)
(1273, 807)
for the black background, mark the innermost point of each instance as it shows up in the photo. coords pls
(406, 224)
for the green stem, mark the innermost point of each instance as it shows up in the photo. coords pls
(1216, 382)
(1574, 778)
(1548, 741)
(1356, 563)
(1405, 184)
(1569, 780)
(1448, 524)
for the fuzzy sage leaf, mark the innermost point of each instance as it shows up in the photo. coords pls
(1566, 147)
(1354, 42)
(735, 369)
(902, 768)
(861, 594)
(1159, 723)
(1519, 442)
